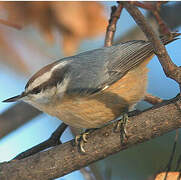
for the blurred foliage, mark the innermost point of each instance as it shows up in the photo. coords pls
(74, 21)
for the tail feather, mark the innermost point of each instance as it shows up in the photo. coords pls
(166, 39)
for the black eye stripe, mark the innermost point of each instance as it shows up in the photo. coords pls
(57, 77)
(40, 73)
(36, 90)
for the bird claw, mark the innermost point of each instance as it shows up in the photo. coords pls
(80, 140)
(84, 136)
(120, 127)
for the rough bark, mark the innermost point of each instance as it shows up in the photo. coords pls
(103, 142)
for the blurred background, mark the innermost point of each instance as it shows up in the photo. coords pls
(38, 33)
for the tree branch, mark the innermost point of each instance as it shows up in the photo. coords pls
(154, 7)
(170, 69)
(66, 158)
(54, 140)
(115, 14)
(168, 13)
(169, 165)
(152, 99)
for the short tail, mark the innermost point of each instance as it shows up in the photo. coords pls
(166, 39)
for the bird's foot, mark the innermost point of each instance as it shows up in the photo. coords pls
(121, 127)
(81, 139)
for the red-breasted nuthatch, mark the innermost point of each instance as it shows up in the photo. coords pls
(92, 88)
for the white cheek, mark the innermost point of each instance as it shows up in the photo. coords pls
(49, 95)
(44, 97)
(61, 88)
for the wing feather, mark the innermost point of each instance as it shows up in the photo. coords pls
(94, 71)
(131, 56)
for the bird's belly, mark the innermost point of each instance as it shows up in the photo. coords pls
(97, 110)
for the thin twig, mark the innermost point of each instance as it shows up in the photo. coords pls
(145, 5)
(168, 13)
(178, 163)
(168, 167)
(152, 99)
(170, 69)
(154, 7)
(163, 28)
(52, 141)
(115, 14)
(177, 167)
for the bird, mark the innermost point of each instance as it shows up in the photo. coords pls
(90, 89)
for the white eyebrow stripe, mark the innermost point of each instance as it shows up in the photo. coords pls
(45, 76)
(59, 65)
(41, 79)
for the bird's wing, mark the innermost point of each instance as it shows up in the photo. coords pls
(93, 71)
(102, 67)
(126, 57)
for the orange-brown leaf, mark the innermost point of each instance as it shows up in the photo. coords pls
(170, 176)
(78, 20)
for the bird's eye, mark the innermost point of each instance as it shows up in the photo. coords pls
(36, 90)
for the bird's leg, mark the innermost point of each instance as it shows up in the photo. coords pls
(121, 127)
(81, 139)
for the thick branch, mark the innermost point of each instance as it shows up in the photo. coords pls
(103, 142)
(15, 116)
(170, 69)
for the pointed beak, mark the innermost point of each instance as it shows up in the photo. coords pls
(15, 98)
